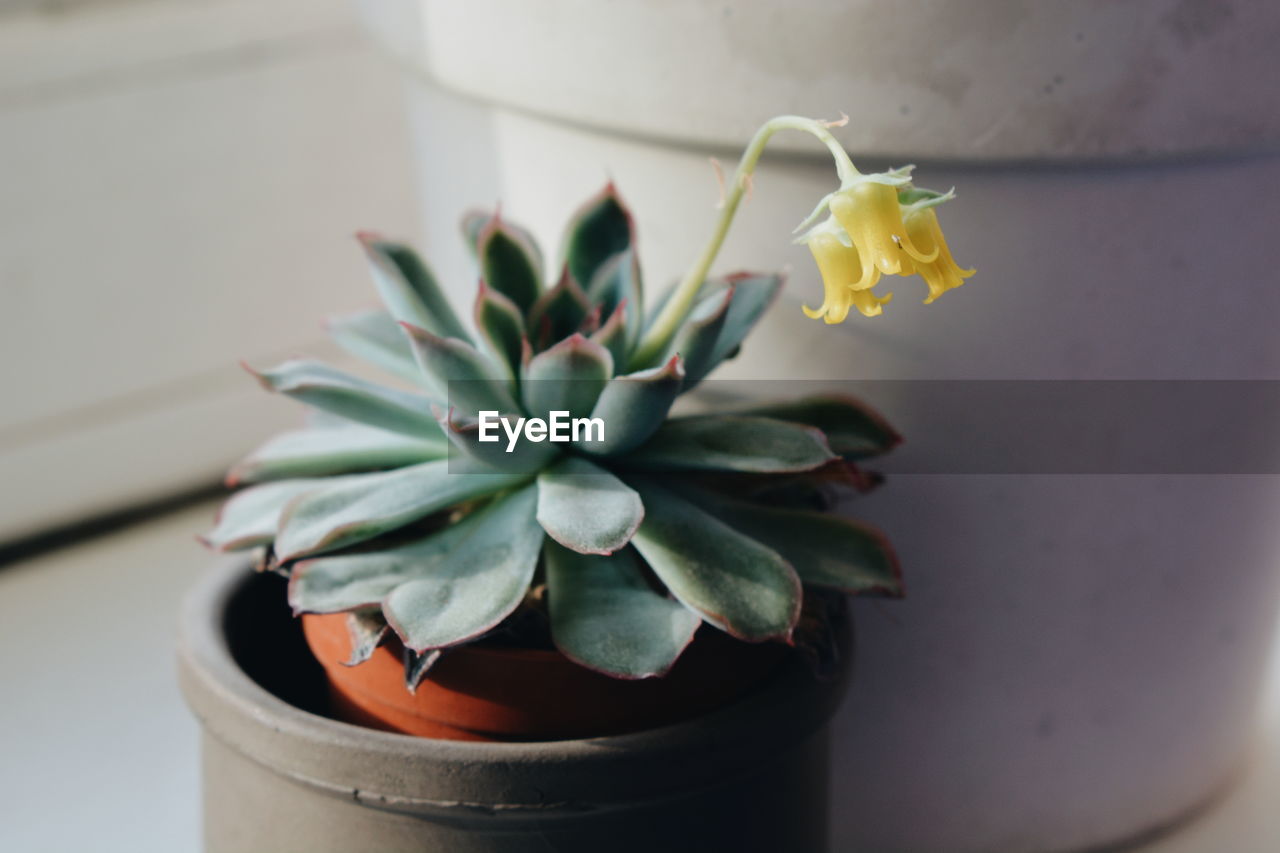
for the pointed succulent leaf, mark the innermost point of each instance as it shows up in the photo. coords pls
(509, 263)
(460, 374)
(366, 628)
(501, 327)
(473, 225)
(854, 429)
(363, 506)
(350, 397)
(348, 582)
(251, 516)
(732, 581)
(568, 377)
(605, 616)
(752, 296)
(695, 341)
(334, 450)
(825, 549)
(612, 334)
(617, 283)
(600, 229)
(591, 323)
(476, 578)
(632, 407)
(321, 419)
(587, 509)
(408, 288)
(497, 449)
(416, 666)
(375, 337)
(817, 489)
(558, 313)
(732, 443)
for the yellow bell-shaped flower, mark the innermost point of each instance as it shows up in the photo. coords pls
(942, 273)
(869, 213)
(877, 225)
(845, 281)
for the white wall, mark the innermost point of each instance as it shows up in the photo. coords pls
(179, 182)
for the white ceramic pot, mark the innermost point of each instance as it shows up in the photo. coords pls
(1078, 660)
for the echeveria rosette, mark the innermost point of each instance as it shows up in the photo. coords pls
(390, 510)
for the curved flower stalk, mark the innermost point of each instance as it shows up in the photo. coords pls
(393, 507)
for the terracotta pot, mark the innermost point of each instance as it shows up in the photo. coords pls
(491, 693)
(280, 775)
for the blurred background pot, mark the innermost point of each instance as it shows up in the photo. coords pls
(1079, 658)
(751, 776)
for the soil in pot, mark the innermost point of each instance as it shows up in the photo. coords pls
(495, 692)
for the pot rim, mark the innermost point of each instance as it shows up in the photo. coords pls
(449, 778)
(1068, 86)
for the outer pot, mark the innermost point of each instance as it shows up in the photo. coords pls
(1079, 658)
(751, 776)
(494, 693)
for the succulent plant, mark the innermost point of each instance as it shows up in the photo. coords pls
(392, 507)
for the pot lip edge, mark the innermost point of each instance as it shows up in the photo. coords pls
(208, 673)
(416, 61)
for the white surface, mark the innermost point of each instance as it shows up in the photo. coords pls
(181, 182)
(97, 751)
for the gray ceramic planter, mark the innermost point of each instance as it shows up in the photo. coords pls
(278, 777)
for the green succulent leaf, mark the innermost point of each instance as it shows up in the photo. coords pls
(854, 429)
(524, 456)
(587, 509)
(613, 334)
(334, 450)
(408, 288)
(616, 284)
(460, 374)
(509, 263)
(732, 581)
(375, 337)
(567, 377)
(416, 666)
(633, 406)
(501, 326)
(477, 575)
(605, 616)
(349, 582)
(350, 397)
(475, 221)
(732, 443)
(363, 506)
(825, 549)
(559, 312)
(695, 341)
(818, 489)
(366, 628)
(251, 516)
(600, 229)
(752, 296)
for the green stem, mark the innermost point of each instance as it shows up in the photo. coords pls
(677, 308)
